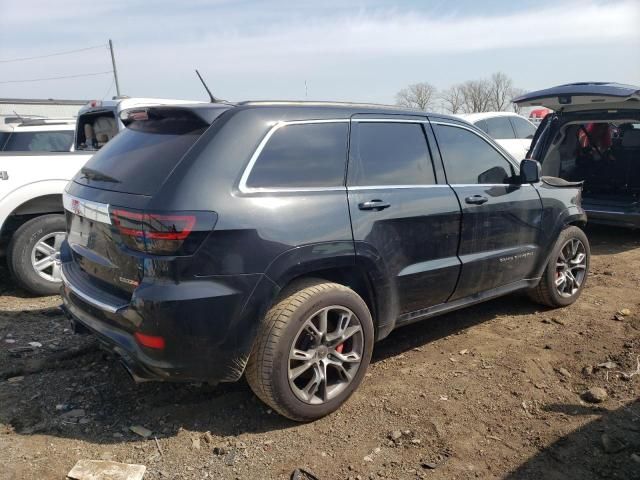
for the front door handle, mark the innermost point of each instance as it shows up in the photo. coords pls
(4, 175)
(476, 200)
(376, 205)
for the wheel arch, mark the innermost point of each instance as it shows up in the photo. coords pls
(337, 262)
(29, 201)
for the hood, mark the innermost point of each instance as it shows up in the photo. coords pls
(582, 96)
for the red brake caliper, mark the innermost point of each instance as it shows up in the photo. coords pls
(339, 348)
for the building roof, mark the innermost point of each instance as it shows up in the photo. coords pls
(40, 101)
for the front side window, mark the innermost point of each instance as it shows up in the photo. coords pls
(523, 128)
(499, 128)
(469, 159)
(390, 154)
(310, 155)
(39, 142)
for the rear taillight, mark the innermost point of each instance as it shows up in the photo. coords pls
(150, 341)
(175, 233)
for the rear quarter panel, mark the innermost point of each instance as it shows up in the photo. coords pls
(561, 207)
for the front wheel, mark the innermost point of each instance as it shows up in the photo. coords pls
(313, 350)
(33, 254)
(566, 273)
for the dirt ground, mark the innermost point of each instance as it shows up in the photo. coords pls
(493, 391)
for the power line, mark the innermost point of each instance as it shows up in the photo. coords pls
(67, 52)
(56, 78)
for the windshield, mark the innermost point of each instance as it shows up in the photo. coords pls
(39, 142)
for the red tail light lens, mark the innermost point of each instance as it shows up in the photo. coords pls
(179, 233)
(149, 341)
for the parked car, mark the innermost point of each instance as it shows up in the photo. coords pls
(32, 179)
(593, 136)
(510, 130)
(37, 135)
(537, 115)
(212, 240)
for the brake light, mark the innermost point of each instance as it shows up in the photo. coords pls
(177, 233)
(149, 341)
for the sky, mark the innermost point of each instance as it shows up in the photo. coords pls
(362, 51)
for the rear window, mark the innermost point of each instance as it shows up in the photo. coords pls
(3, 138)
(95, 129)
(310, 155)
(139, 158)
(39, 142)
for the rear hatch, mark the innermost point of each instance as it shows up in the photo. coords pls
(574, 97)
(110, 233)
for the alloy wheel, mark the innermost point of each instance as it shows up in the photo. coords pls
(571, 268)
(325, 355)
(45, 256)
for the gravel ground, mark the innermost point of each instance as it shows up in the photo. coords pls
(493, 391)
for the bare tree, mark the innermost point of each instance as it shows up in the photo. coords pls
(476, 96)
(418, 95)
(453, 99)
(513, 93)
(500, 87)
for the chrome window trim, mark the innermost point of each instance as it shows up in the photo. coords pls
(389, 120)
(95, 211)
(394, 187)
(484, 137)
(242, 186)
(88, 298)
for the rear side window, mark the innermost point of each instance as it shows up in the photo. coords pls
(499, 128)
(39, 142)
(523, 128)
(309, 155)
(390, 154)
(469, 159)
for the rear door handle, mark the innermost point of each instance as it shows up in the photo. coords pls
(373, 205)
(476, 200)
(4, 175)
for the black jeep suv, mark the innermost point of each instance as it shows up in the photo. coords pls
(283, 239)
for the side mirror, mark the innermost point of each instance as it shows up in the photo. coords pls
(530, 171)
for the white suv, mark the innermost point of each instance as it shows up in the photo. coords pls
(32, 222)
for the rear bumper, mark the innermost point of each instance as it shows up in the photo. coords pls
(208, 324)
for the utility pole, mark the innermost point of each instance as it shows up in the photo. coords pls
(115, 71)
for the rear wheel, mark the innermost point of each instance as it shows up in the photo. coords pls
(566, 273)
(312, 351)
(33, 254)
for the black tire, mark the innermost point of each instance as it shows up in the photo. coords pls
(268, 367)
(19, 253)
(546, 292)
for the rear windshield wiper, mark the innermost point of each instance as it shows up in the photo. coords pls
(92, 174)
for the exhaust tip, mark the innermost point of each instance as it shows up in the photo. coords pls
(136, 378)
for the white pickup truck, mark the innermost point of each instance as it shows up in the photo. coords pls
(32, 222)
